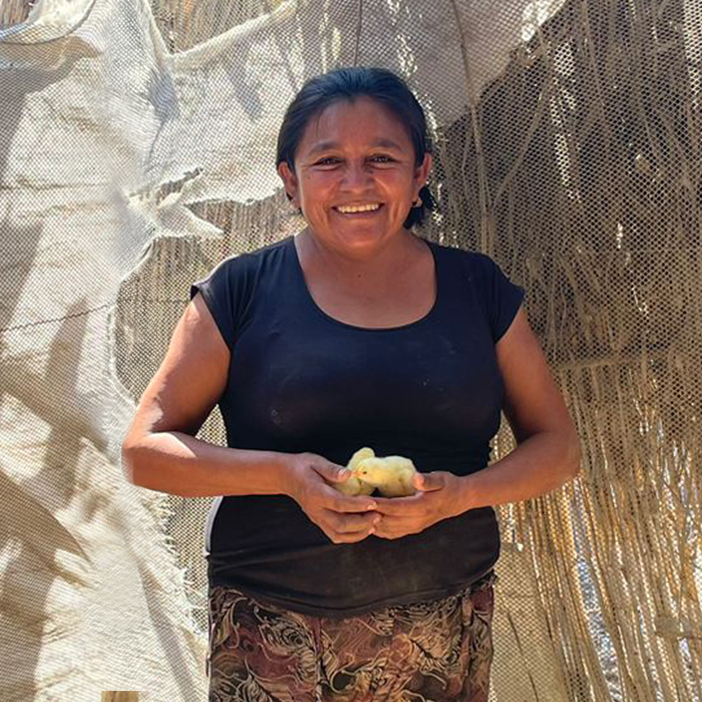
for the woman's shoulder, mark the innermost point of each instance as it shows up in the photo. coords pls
(469, 260)
(479, 272)
(479, 269)
(230, 287)
(238, 275)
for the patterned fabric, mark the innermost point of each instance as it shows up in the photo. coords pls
(435, 651)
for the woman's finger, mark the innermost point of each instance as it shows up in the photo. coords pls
(354, 538)
(330, 471)
(401, 506)
(347, 537)
(338, 502)
(349, 523)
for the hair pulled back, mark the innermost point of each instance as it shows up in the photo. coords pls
(379, 84)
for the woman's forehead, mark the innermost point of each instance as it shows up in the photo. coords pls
(359, 121)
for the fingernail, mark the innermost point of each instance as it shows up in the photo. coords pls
(344, 472)
(376, 520)
(371, 506)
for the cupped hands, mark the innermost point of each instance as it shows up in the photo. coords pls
(439, 495)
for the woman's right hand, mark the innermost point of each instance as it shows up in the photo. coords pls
(343, 518)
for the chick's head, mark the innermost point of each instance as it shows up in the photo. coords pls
(379, 471)
(372, 471)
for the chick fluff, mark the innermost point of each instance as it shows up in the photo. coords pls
(353, 485)
(391, 475)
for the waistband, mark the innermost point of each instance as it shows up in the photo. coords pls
(483, 582)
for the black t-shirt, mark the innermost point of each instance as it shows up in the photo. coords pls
(300, 380)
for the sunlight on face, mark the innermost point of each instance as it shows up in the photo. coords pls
(355, 176)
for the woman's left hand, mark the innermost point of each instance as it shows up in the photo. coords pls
(439, 495)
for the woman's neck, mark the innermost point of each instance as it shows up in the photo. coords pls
(374, 269)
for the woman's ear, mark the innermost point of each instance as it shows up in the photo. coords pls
(421, 174)
(289, 179)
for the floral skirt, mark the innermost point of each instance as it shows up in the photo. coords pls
(435, 651)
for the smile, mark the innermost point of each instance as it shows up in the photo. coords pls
(353, 209)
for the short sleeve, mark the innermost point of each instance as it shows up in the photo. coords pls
(219, 292)
(504, 300)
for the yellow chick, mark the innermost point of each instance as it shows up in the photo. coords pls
(392, 475)
(354, 485)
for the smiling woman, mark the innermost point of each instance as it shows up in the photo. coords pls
(355, 332)
(354, 155)
(347, 86)
(355, 178)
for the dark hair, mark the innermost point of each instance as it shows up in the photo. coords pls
(347, 84)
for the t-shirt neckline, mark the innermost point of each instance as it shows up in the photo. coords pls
(319, 311)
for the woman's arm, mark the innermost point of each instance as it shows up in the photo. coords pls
(547, 453)
(160, 451)
(548, 450)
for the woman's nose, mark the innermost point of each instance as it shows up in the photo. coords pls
(356, 177)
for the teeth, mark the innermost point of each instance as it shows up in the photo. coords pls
(358, 208)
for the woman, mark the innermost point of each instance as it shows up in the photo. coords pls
(354, 332)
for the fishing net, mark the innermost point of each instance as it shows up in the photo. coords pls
(136, 152)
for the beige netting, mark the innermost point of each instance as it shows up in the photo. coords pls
(136, 151)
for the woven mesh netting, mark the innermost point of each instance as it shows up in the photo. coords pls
(136, 152)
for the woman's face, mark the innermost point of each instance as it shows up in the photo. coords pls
(355, 156)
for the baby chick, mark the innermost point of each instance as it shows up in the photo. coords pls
(392, 475)
(354, 485)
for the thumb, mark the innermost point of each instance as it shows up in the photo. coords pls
(332, 472)
(426, 482)
(341, 474)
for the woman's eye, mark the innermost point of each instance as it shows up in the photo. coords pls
(334, 160)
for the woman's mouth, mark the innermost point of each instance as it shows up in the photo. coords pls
(361, 209)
